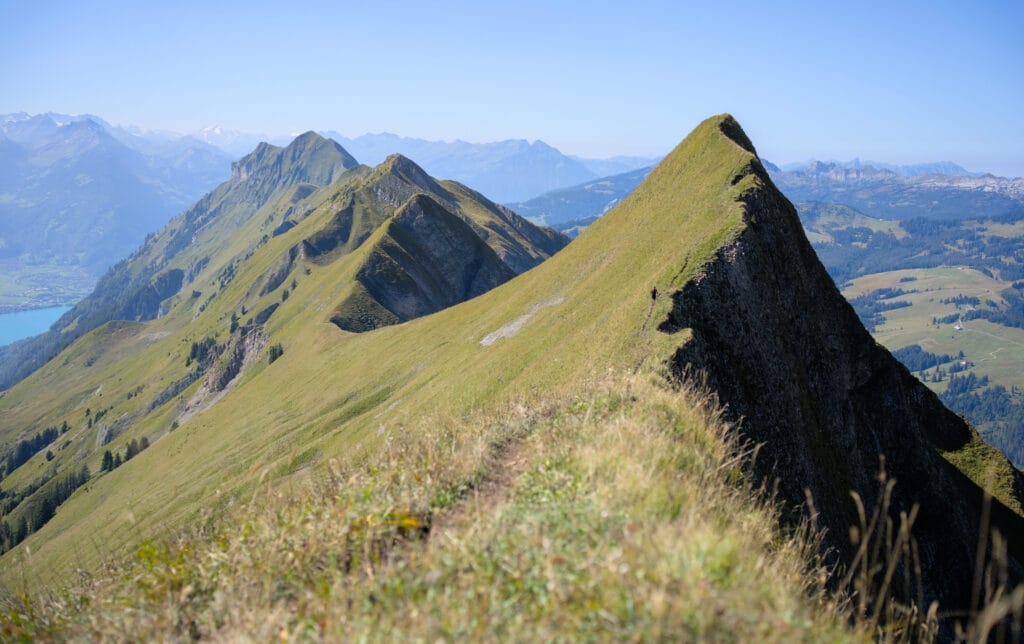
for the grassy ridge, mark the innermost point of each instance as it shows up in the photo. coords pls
(243, 263)
(601, 484)
(616, 510)
(331, 392)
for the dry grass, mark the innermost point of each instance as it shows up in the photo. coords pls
(617, 511)
(629, 518)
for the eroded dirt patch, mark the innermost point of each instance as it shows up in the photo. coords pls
(512, 328)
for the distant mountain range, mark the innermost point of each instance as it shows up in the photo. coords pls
(505, 171)
(425, 245)
(234, 142)
(912, 170)
(903, 194)
(77, 194)
(932, 191)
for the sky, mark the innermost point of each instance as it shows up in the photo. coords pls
(900, 82)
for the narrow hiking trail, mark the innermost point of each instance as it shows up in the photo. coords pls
(492, 491)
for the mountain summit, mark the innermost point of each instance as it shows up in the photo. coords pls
(796, 369)
(309, 158)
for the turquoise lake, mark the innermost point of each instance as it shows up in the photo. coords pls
(24, 324)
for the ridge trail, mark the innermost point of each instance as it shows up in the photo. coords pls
(492, 490)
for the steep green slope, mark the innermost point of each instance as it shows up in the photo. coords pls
(613, 510)
(695, 229)
(213, 296)
(134, 288)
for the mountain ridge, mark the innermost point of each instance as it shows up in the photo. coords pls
(698, 229)
(76, 197)
(126, 291)
(827, 411)
(886, 194)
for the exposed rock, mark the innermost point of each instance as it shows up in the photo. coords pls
(241, 353)
(238, 354)
(428, 260)
(790, 359)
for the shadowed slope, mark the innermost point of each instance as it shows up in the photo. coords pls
(788, 356)
(427, 260)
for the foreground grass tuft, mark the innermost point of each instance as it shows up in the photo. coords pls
(618, 511)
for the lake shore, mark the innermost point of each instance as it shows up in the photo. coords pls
(18, 325)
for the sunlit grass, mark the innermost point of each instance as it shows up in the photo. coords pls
(625, 516)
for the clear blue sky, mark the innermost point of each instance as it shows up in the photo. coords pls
(892, 81)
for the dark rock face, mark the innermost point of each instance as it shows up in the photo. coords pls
(790, 360)
(442, 244)
(429, 260)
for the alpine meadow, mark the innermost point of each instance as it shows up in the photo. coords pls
(336, 402)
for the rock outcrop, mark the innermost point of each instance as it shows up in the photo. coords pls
(429, 259)
(795, 367)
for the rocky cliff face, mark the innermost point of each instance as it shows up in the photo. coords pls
(793, 364)
(429, 259)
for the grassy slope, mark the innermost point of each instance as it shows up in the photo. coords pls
(331, 391)
(998, 351)
(611, 511)
(820, 218)
(337, 400)
(239, 238)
